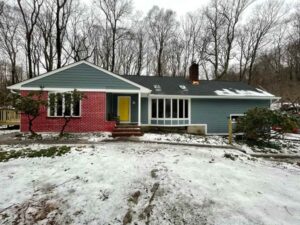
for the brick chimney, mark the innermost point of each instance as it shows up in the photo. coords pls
(194, 73)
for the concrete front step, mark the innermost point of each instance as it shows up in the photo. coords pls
(118, 129)
(127, 126)
(126, 134)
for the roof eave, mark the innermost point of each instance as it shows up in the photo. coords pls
(221, 97)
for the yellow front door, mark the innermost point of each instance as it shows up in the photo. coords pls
(124, 108)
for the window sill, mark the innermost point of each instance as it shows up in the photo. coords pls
(58, 117)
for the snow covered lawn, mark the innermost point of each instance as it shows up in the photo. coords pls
(113, 183)
(185, 138)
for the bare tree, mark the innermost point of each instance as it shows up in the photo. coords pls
(79, 36)
(191, 29)
(62, 14)
(1, 7)
(223, 17)
(140, 36)
(161, 24)
(114, 11)
(30, 16)
(293, 46)
(46, 25)
(10, 38)
(266, 17)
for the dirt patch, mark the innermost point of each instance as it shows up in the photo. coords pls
(127, 218)
(154, 173)
(135, 197)
(46, 210)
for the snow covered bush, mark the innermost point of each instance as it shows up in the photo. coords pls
(258, 122)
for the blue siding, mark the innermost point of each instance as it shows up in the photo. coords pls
(144, 111)
(81, 76)
(215, 112)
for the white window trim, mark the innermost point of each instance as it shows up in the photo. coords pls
(63, 106)
(172, 119)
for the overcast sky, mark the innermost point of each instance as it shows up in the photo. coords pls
(181, 7)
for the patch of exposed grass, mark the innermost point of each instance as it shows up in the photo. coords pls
(261, 144)
(29, 153)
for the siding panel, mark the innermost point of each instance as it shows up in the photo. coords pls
(81, 76)
(144, 111)
(215, 112)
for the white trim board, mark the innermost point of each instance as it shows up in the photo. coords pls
(215, 97)
(18, 86)
(121, 91)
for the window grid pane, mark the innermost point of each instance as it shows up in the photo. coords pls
(76, 108)
(180, 108)
(67, 111)
(168, 108)
(174, 104)
(154, 108)
(160, 108)
(52, 104)
(59, 105)
(186, 109)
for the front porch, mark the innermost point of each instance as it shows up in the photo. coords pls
(123, 108)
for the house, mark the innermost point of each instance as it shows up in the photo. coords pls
(145, 100)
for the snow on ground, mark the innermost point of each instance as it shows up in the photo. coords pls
(94, 183)
(292, 136)
(185, 138)
(288, 145)
(3, 131)
(90, 137)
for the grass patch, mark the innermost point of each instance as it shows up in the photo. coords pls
(29, 153)
(260, 144)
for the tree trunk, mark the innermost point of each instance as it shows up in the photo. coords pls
(30, 72)
(159, 63)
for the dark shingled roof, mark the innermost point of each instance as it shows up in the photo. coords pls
(170, 86)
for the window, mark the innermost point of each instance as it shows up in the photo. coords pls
(175, 113)
(183, 87)
(235, 117)
(157, 87)
(62, 105)
(186, 108)
(170, 108)
(181, 108)
(154, 108)
(59, 105)
(160, 108)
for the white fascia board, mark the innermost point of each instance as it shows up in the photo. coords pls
(82, 90)
(215, 97)
(18, 86)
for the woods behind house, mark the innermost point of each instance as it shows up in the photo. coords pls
(252, 41)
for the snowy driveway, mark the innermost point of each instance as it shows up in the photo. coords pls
(95, 184)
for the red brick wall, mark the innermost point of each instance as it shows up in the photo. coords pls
(93, 117)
